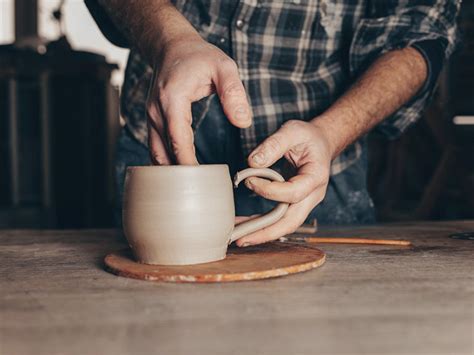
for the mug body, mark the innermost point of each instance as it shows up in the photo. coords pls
(178, 215)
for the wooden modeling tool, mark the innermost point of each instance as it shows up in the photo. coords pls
(346, 240)
(313, 227)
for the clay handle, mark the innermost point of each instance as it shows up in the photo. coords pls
(268, 218)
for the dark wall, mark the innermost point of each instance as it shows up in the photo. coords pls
(58, 128)
(429, 172)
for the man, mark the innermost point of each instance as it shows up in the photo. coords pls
(293, 83)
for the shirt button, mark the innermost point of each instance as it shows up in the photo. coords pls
(222, 40)
(239, 24)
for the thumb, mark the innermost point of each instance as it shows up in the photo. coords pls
(232, 95)
(271, 150)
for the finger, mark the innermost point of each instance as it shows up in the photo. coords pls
(294, 217)
(241, 219)
(180, 133)
(158, 153)
(272, 149)
(284, 226)
(156, 143)
(232, 94)
(294, 190)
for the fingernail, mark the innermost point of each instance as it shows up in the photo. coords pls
(246, 244)
(241, 114)
(259, 158)
(249, 183)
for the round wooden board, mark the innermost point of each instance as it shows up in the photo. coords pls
(241, 264)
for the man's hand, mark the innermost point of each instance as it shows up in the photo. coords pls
(189, 70)
(310, 146)
(307, 148)
(186, 69)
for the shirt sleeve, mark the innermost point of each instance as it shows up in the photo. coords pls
(106, 26)
(432, 51)
(427, 25)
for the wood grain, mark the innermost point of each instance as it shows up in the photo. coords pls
(56, 298)
(241, 264)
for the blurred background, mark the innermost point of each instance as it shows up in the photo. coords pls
(59, 108)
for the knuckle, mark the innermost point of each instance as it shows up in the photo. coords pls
(168, 91)
(293, 124)
(321, 177)
(306, 187)
(297, 196)
(233, 89)
(312, 182)
(228, 64)
(163, 87)
(273, 144)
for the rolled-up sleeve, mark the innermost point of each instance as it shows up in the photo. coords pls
(394, 25)
(105, 24)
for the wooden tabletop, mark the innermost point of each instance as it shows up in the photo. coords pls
(57, 299)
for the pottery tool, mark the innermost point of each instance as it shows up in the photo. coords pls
(241, 264)
(313, 228)
(346, 240)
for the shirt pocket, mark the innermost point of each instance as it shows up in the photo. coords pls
(330, 34)
(330, 17)
(279, 34)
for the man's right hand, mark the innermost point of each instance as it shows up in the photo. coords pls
(188, 70)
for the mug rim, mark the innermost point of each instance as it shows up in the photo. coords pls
(175, 166)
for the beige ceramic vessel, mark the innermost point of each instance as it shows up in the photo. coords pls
(182, 215)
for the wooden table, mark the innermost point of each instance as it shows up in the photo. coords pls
(57, 299)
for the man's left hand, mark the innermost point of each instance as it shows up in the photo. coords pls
(306, 146)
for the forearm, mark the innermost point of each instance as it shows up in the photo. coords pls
(149, 25)
(388, 83)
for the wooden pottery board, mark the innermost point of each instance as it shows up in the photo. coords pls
(241, 264)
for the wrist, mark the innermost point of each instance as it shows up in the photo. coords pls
(327, 133)
(343, 122)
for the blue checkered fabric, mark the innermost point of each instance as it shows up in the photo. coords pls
(297, 57)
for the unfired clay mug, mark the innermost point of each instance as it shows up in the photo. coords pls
(182, 215)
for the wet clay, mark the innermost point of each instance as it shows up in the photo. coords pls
(183, 215)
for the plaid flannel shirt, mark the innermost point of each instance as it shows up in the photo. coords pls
(297, 57)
